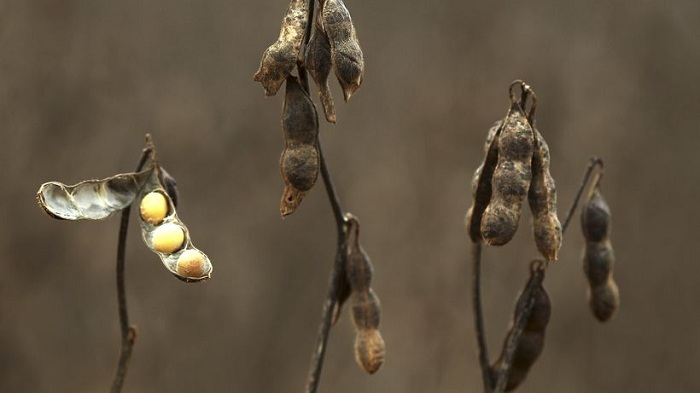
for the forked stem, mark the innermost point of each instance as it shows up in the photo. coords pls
(128, 332)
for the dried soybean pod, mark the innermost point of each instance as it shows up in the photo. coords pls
(542, 198)
(598, 256)
(91, 199)
(512, 176)
(279, 59)
(531, 342)
(300, 159)
(481, 183)
(358, 266)
(317, 60)
(348, 60)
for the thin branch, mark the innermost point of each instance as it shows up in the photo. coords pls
(521, 320)
(594, 163)
(128, 332)
(479, 318)
(333, 281)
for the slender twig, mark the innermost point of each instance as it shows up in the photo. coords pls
(529, 293)
(594, 163)
(479, 318)
(333, 281)
(128, 332)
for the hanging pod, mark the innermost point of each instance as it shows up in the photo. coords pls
(347, 58)
(167, 236)
(598, 256)
(300, 159)
(512, 176)
(481, 183)
(317, 60)
(279, 59)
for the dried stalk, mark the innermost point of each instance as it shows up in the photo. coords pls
(128, 332)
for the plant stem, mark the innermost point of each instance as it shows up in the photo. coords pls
(595, 162)
(333, 281)
(479, 317)
(128, 332)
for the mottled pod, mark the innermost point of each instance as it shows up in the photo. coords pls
(279, 59)
(511, 178)
(370, 350)
(481, 183)
(300, 159)
(598, 256)
(531, 342)
(542, 197)
(347, 58)
(317, 60)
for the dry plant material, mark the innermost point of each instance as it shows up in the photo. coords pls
(531, 342)
(481, 183)
(317, 61)
(542, 195)
(348, 60)
(366, 310)
(279, 59)
(598, 256)
(512, 176)
(300, 162)
(162, 231)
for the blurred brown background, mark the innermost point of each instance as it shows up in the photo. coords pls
(81, 82)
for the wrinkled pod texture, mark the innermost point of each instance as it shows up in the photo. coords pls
(531, 341)
(300, 159)
(366, 310)
(347, 58)
(481, 183)
(598, 257)
(317, 60)
(511, 178)
(542, 197)
(280, 58)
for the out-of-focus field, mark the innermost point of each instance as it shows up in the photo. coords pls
(81, 82)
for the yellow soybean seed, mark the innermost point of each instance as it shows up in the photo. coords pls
(154, 208)
(168, 238)
(191, 264)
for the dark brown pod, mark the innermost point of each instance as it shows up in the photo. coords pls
(317, 61)
(596, 217)
(366, 310)
(531, 343)
(300, 159)
(598, 262)
(358, 267)
(542, 197)
(481, 183)
(346, 54)
(511, 178)
(280, 58)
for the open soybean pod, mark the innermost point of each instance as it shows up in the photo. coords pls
(598, 256)
(348, 60)
(531, 342)
(481, 183)
(279, 59)
(167, 236)
(542, 198)
(512, 176)
(317, 60)
(91, 199)
(300, 160)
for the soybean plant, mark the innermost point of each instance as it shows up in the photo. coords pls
(319, 36)
(155, 192)
(516, 165)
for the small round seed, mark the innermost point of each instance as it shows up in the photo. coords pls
(191, 264)
(154, 208)
(168, 238)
